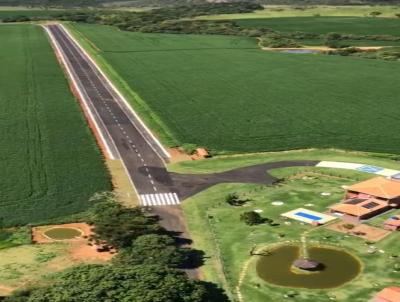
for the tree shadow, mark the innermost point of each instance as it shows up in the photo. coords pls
(195, 259)
(214, 293)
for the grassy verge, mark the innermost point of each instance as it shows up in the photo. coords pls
(224, 163)
(138, 104)
(14, 237)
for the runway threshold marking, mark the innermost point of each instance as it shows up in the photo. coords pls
(160, 199)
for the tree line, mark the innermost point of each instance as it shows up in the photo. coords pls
(167, 3)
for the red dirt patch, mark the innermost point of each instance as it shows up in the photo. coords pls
(5, 290)
(364, 231)
(177, 155)
(79, 248)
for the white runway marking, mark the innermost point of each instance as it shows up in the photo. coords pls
(160, 199)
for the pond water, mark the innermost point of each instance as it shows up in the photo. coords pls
(300, 51)
(63, 233)
(339, 267)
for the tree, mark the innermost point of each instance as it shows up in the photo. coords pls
(375, 14)
(94, 283)
(234, 200)
(333, 36)
(119, 226)
(154, 249)
(252, 218)
(348, 226)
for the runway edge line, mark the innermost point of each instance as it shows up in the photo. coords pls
(82, 99)
(88, 111)
(116, 90)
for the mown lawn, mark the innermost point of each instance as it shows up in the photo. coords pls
(30, 265)
(50, 164)
(324, 25)
(227, 95)
(216, 228)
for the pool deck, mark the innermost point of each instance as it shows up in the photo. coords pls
(308, 216)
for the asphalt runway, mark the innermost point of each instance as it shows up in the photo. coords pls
(124, 134)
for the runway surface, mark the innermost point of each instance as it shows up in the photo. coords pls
(123, 133)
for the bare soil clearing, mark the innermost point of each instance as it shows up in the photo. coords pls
(364, 231)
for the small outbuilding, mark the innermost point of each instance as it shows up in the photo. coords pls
(392, 224)
(388, 294)
(307, 264)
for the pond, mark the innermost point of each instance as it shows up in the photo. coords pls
(63, 233)
(301, 51)
(339, 267)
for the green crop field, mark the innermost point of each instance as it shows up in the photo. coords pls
(323, 25)
(225, 94)
(49, 162)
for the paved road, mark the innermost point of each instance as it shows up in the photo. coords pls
(191, 184)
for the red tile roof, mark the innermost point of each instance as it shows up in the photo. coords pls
(389, 294)
(379, 187)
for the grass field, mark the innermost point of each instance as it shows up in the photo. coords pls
(226, 94)
(279, 11)
(50, 164)
(216, 228)
(324, 25)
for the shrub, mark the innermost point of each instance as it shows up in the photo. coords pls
(274, 40)
(234, 200)
(189, 148)
(252, 218)
(348, 226)
(375, 14)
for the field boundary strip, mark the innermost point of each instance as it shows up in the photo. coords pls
(127, 105)
(92, 120)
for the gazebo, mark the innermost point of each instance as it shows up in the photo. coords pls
(307, 264)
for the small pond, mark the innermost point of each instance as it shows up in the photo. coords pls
(63, 233)
(300, 51)
(339, 267)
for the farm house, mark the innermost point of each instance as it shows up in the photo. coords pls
(369, 198)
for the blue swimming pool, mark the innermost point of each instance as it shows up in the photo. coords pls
(308, 216)
(369, 169)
